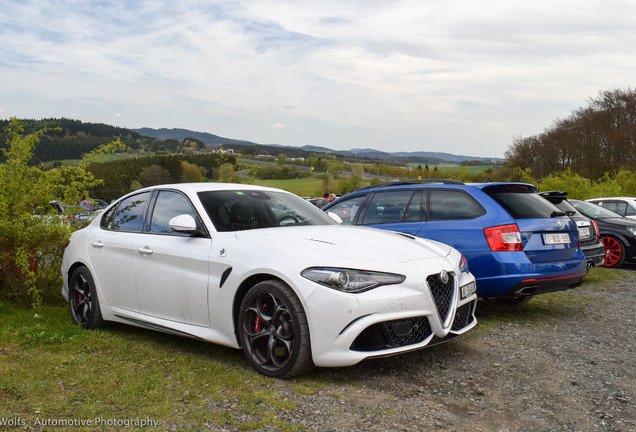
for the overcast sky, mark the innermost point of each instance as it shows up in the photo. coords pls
(458, 76)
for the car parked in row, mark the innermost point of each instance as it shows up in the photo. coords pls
(517, 243)
(624, 206)
(591, 244)
(264, 270)
(617, 233)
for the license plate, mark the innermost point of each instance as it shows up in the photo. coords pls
(584, 232)
(468, 290)
(560, 238)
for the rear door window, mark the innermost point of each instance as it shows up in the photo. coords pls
(128, 215)
(447, 204)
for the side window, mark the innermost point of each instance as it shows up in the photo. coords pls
(617, 207)
(388, 207)
(347, 209)
(169, 204)
(127, 215)
(453, 205)
(416, 211)
(630, 211)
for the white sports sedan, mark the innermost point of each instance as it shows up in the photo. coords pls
(263, 270)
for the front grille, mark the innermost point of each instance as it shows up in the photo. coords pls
(442, 293)
(463, 316)
(392, 334)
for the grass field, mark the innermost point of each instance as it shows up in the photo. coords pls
(50, 369)
(301, 187)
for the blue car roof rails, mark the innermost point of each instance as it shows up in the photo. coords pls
(412, 182)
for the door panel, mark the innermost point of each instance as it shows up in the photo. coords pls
(172, 277)
(172, 270)
(113, 257)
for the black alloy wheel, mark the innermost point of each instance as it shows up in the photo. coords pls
(273, 330)
(82, 300)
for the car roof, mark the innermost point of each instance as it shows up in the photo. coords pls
(613, 198)
(205, 187)
(441, 183)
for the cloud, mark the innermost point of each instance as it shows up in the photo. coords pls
(464, 76)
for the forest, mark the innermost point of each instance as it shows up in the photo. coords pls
(593, 141)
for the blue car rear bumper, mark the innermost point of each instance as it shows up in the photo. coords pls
(521, 279)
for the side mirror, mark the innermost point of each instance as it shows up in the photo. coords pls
(185, 224)
(335, 217)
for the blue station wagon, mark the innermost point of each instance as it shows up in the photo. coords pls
(517, 243)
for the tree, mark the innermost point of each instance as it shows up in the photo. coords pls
(592, 141)
(32, 233)
(191, 173)
(227, 174)
(154, 175)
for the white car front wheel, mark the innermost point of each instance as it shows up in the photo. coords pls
(273, 330)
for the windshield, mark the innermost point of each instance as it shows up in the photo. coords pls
(238, 210)
(593, 211)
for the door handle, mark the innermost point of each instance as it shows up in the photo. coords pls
(97, 244)
(145, 250)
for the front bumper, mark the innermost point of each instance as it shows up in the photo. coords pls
(387, 320)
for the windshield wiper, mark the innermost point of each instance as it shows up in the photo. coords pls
(558, 214)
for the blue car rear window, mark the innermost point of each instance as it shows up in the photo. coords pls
(523, 204)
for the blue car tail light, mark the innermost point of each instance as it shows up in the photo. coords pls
(504, 238)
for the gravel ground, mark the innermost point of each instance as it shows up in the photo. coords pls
(542, 367)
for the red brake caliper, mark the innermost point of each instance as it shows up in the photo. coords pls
(258, 325)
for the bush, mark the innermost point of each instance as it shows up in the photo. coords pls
(32, 233)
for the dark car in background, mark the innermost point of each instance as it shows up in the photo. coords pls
(617, 233)
(591, 244)
(517, 244)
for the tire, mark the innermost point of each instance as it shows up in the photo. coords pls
(82, 300)
(615, 252)
(273, 330)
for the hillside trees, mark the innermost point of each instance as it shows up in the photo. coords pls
(70, 139)
(118, 177)
(594, 140)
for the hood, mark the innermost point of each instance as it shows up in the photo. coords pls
(346, 242)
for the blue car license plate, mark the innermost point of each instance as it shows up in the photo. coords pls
(560, 238)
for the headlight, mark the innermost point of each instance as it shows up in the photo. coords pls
(351, 281)
(632, 230)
